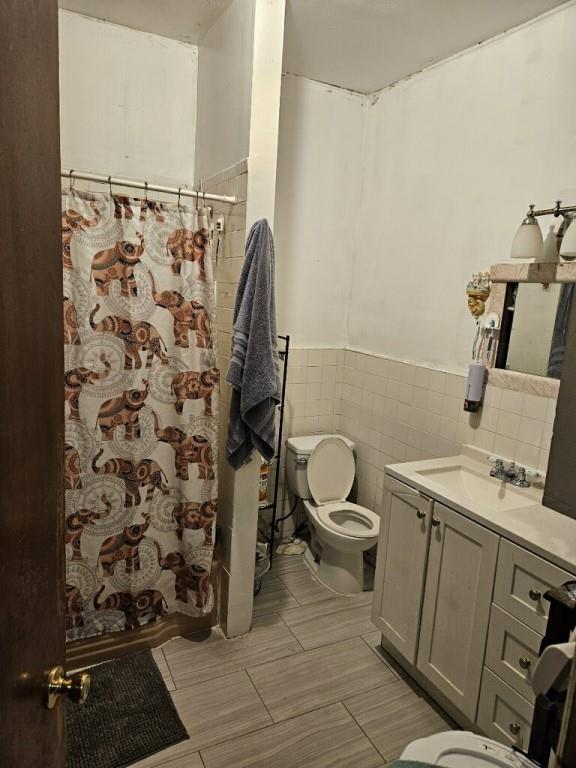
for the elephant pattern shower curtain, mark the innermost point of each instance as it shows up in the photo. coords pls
(141, 402)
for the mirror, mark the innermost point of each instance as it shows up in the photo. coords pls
(534, 325)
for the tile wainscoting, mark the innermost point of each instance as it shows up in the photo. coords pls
(397, 411)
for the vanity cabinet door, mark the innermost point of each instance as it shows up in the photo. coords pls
(401, 567)
(456, 609)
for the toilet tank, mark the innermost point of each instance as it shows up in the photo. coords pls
(298, 450)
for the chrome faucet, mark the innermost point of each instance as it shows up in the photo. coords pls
(510, 473)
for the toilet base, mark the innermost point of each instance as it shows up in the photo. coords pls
(342, 572)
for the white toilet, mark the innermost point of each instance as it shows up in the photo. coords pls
(463, 749)
(321, 471)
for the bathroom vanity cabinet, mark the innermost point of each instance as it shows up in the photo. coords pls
(461, 608)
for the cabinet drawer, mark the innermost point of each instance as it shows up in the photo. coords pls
(512, 651)
(503, 714)
(521, 581)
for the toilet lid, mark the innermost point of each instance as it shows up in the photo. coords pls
(462, 749)
(330, 471)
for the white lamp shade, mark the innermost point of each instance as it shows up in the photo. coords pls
(528, 242)
(568, 247)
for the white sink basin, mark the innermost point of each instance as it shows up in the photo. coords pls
(461, 481)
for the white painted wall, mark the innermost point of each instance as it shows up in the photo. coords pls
(224, 90)
(452, 159)
(266, 83)
(127, 101)
(316, 226)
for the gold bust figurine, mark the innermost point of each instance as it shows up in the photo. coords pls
(478, 290)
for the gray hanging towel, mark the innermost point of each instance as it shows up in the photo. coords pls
(254, 369)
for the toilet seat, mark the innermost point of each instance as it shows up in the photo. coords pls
(463, 749)
(349, 519)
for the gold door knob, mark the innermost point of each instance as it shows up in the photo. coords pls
(76, 687)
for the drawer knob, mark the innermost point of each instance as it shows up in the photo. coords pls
(435, 522)
(535, 594)
(420, 514)
(524, 662)
(514, 728)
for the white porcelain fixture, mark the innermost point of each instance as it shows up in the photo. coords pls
(320, 471)
(465, 481)
(462, 749)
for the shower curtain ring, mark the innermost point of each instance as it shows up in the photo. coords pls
(70, 180)
(110, 185)
(146, 191)
(179, 191)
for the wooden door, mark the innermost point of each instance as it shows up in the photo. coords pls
(459, 581)
(401, 567)
(31, 405)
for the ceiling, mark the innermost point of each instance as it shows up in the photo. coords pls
(184, 20)
(363, 45)
(366, 45)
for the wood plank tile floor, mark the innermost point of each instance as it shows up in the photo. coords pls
(309, 687)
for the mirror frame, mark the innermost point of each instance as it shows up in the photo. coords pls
(500, 276)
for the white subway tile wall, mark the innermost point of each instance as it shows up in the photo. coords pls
(396, 411)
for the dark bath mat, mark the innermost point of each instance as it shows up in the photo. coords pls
(128, 716)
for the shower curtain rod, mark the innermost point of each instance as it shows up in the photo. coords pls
(180, 191)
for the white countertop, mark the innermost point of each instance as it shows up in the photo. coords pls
(541, 530)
